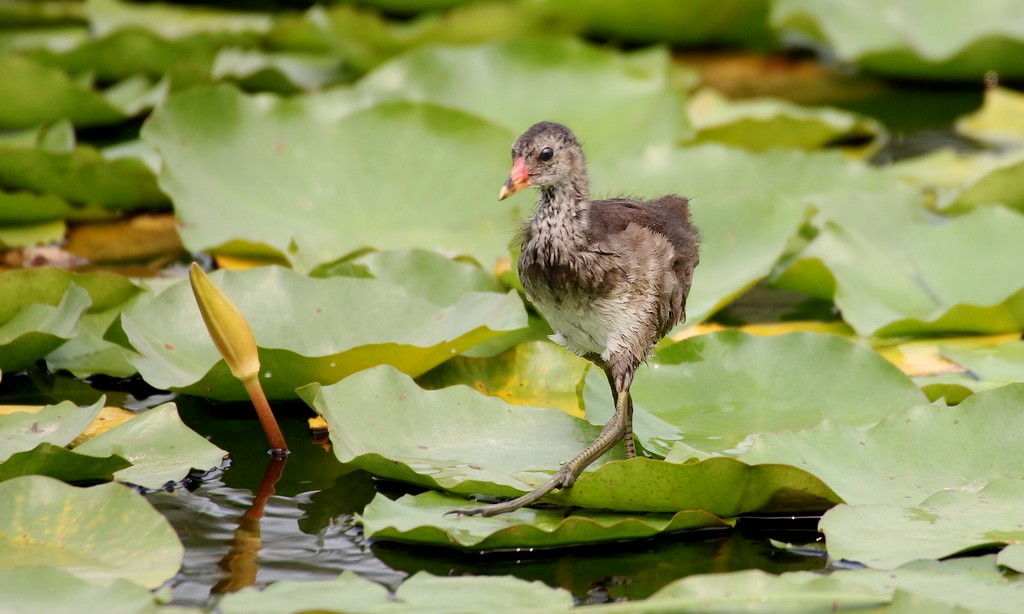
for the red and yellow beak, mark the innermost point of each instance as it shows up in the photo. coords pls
(517, 179)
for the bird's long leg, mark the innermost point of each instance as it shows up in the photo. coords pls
(627, 439)
(613, 431)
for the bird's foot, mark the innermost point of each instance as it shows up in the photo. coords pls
(565, 478)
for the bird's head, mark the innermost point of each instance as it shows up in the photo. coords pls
(546, 155)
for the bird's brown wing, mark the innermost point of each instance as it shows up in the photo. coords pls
(668, 216)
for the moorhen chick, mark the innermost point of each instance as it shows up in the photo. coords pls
(610, 276)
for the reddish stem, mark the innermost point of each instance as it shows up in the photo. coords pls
(266, 416)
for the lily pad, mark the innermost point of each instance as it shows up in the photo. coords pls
(614, 102)
(54, 424)
(716, 392)
(420, 593)
(421, 520)
(766, 123)
(887, 536)
(1002, 363)
(159, 446)
(100, 534)
(59, 592)
(910, 39)
(272, 204)
(908, 456)
(38, 329)
(997, 182)
(335, 327)
(999, 120)
(737, 22)
(1012, 556)
(33, 94)
(62, 464)
(172, 21)
(457, 440)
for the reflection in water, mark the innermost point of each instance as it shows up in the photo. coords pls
(241, 563)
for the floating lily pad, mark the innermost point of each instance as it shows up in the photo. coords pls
(1000, 119)
(767, 123)
(39, 328)
(458, 440)
(737, 22)
(30, 235)
(1002, 363)
(100, 534)
(420, 593)
(307, 191)
(715, 392)
(887, 536)
(62, 464)
(536, 373)
(421, 520)
(54, 424)
(997, 182)
(903, 38)
(172, 21)
(59, 592)
(1012, 556)
(911, 454)
(88, 353)
(309, 330)
(159, 446)
(614, 102)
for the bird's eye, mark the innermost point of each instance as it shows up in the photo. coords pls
(545, 154)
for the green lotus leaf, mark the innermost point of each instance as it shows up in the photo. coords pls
(887, 536)
(420, 593)
(897, 270)
(1000, 364)
(507, 451)
(41, 14)
(427, 274)
(59, 592)
(614, 102)
(715, 392)
(1012, 556)
(364, 38)
(100, 534)
(159, 446)
(38, 328)
(334, 327)
(172, 21)
(415, 6)
(88, 353)
(62, 464)
(402, 199)
(908, 456)
(736, 22)
(28, 235)
(421, 519)
(910, 39)
(347, 592)
(999, 120)
(999, 182)
(537, 373)
(54, 424)
(766, 123)
(32, 94)
(282, 72)
(77, 183)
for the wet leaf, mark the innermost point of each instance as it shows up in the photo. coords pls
(911, 454)
(715, 392)
(536, 373)
(613, 102)
(420, 593)
(59, 592)
(38, 328)
(159, 446)
(335, 327)
(272, 206)
(100, 534)
(478, 444)
(62, 464)
(739, 22)
(999, 120)
(911, 39)
(766, 123)
(54, 424)
(887, 536)
(33, 94)
(421, 520)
